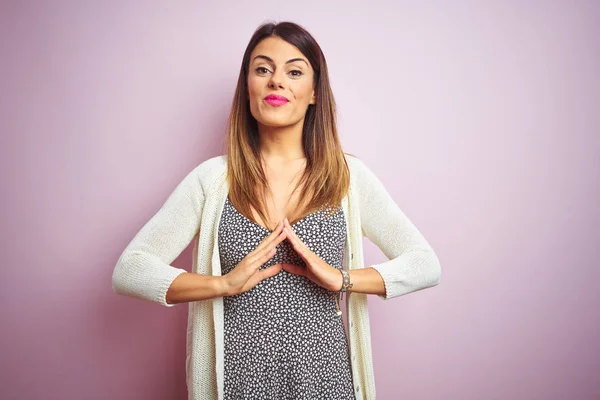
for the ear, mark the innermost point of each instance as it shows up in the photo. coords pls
(313, 98)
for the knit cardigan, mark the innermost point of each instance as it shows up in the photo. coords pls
(192, 212)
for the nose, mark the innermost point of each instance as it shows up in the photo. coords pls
(276, 81)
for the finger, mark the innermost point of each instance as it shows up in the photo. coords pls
(269, 271)
(267, 253)
(287, 227)
(272, 236)
(298, 245)
(268, 243)
(295, 269)
(262, 274)
(276, 240)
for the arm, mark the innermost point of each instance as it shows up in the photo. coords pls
(366, 280)
(412, 265)
(143, 269)
(195, 287)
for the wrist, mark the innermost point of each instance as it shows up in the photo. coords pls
(340, 282)
(346, 281)
(224, 288)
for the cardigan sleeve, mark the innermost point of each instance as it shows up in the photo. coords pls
(143, 270)
(412, 264)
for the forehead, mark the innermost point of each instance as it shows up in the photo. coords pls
(277, 49)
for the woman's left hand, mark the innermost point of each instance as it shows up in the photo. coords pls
(316, 269)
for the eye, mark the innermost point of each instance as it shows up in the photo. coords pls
(296, 73)
(262, 70)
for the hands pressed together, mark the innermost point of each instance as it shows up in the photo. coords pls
(248, 274)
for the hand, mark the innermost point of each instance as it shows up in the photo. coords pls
(247, 274)
(316, 269)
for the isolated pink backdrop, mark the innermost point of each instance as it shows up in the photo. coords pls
(481, 118)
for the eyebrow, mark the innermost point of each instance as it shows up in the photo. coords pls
(287, 62)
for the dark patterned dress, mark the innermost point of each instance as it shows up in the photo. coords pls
(284, 338)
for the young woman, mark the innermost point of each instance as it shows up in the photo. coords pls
(277, 225)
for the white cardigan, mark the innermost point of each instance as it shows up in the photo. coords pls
(192, 212)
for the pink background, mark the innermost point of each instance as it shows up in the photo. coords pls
(481, 118)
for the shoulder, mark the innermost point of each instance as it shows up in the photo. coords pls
(211, 167)
(209, 172)
(356, 166)
(362, 177)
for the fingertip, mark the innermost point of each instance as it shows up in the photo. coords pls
(277, 227)
(277, 269)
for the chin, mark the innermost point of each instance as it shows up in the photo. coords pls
(275, 122)
(279, 124)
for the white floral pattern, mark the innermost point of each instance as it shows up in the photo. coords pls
(283, 338)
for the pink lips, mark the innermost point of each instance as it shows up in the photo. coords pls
(276, 100)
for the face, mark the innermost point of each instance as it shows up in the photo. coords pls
(280, 83)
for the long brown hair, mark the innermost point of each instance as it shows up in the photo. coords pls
(326, 178)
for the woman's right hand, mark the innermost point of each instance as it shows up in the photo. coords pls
(247, 274)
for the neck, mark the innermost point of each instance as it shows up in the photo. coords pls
(281, 143)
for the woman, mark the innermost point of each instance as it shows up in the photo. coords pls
(274, 222)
